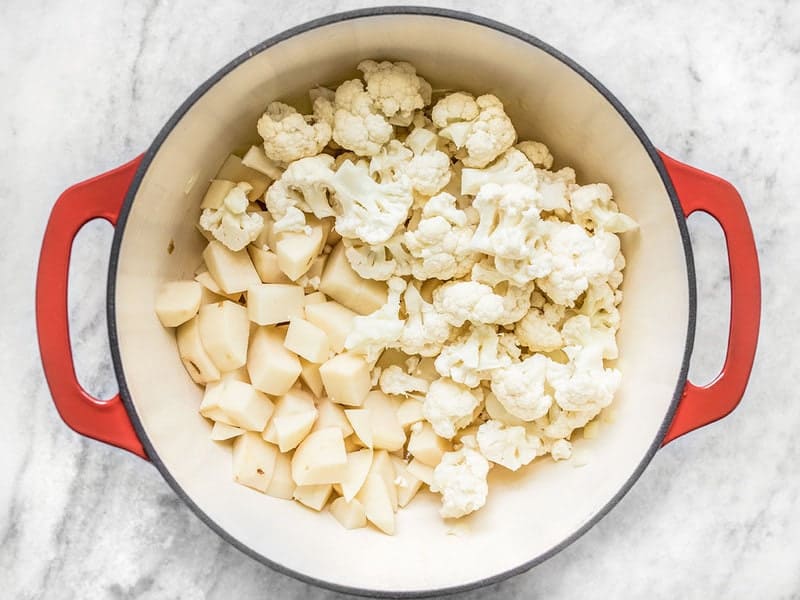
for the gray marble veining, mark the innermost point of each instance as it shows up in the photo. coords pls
(86, 85)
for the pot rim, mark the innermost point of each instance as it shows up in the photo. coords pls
(315, 24)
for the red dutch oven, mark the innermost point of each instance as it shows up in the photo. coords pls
(153, 203)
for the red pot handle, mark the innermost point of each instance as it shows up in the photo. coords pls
(97, 198)
(700, 191)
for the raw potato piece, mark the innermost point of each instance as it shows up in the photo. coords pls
(233, 271)
(224, 331)
(310, 376)
(426, 446)
(346, 378)
(272, 368)
(282, 485)
(253, 461)
(177, 302)
(320, 458)
(378, 506)
(358, 466)
(222, 431)
(193, 355)
(387, 433)
(216, 192)
(315, 298)
(293, 419)
(307, 341)
(331, 415)
(239, 374)
(313, 496)
(266, 265)
(340, 282)
(383, 467)
(409, 412)
(236, 403)
(350, 514)
(421, 471)
(272, 303)
(361, 421)
(407, 484)
(296, 251)
(211, 291)
(257, 160)
(233, 170)
(334, 319)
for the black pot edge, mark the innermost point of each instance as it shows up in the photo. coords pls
(321, 22)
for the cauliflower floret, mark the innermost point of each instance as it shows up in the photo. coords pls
(231, 224)
(534, 332)
(516, 301)
(461, 479)
(537, 153)
(473, 356)
(484, 271)
(370, 211)
(288, 135)
(561, 450)
(484, 136)
(441, 241)
(554, 188)
(429, 170)
(511, 167)
(425, 329)
(304, 186)
(593, 208)
(394, 380)
(371, 334)
(462, 301)
(583, 384)
(509, 446)
(520, 388)
(379, 262)
(578, 259)
(396, 89)
(357, 123)
(579, 331)
(391, 162)
(450, 406)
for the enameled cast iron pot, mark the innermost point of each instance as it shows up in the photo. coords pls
(153, 203)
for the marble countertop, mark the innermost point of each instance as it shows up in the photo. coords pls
(86, 85)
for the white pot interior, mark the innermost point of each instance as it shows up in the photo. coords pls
(528, 513)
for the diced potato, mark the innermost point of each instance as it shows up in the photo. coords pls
(271, 303)
(320, 458)
(239, 374)
(409, 412)
(282, 485)
(346, 378)
(222, 431)
(224, 331)
(307, 341)
(291, 430)
(334, 319)
(293, 403)
(343, 284)
(244, 406)
(177, 302)
(421, 471)
(313, 276)
(315, 298)
(498, 412)
(233, 170)
(407, 484)
(382, 467)
(216, 192)
(358, 466)
(362, 425)
(297, 250)
(332, 415)
(374, 496)
(310, 376)
(256, 159)
(253, 461)
(266, 265)
(351, 515)
(233, 271)
(267, 239)
(272, 368)
(206, 234)
(387, 433)
(193, 355)
(313, 496)
(212, 290)
(426, 446)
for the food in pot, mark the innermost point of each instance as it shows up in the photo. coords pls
(397, 293)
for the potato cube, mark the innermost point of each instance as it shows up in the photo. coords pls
(294, 403)
(310, 376)
(256, 159)
(382, 466)
(374, 496)
(211, 289)
(233, 271)
(387, 433)
(320, 458)
(193, 354)
(307, 340)
(224, 331)
(272, 368)
(407, 484)
(421, 471)
(315, 298)
(362, 425)
(358, 466)
(177, 302)
(267, 239)
(346, 378)
(351, 515)
(233, 170)
(343, 284)
(222, 431)
(426, 446)
(210, 405)
(409, 412)
(282, 485)
(266, 265)
(271, 303)
(313, 496)
(334, 319)
(216, 192)
(244, 406)
(291, 430)
(239, 374)
(297, 250)
(332, 415)
(253, 461)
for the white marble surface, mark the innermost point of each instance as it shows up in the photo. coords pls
(85, 85)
